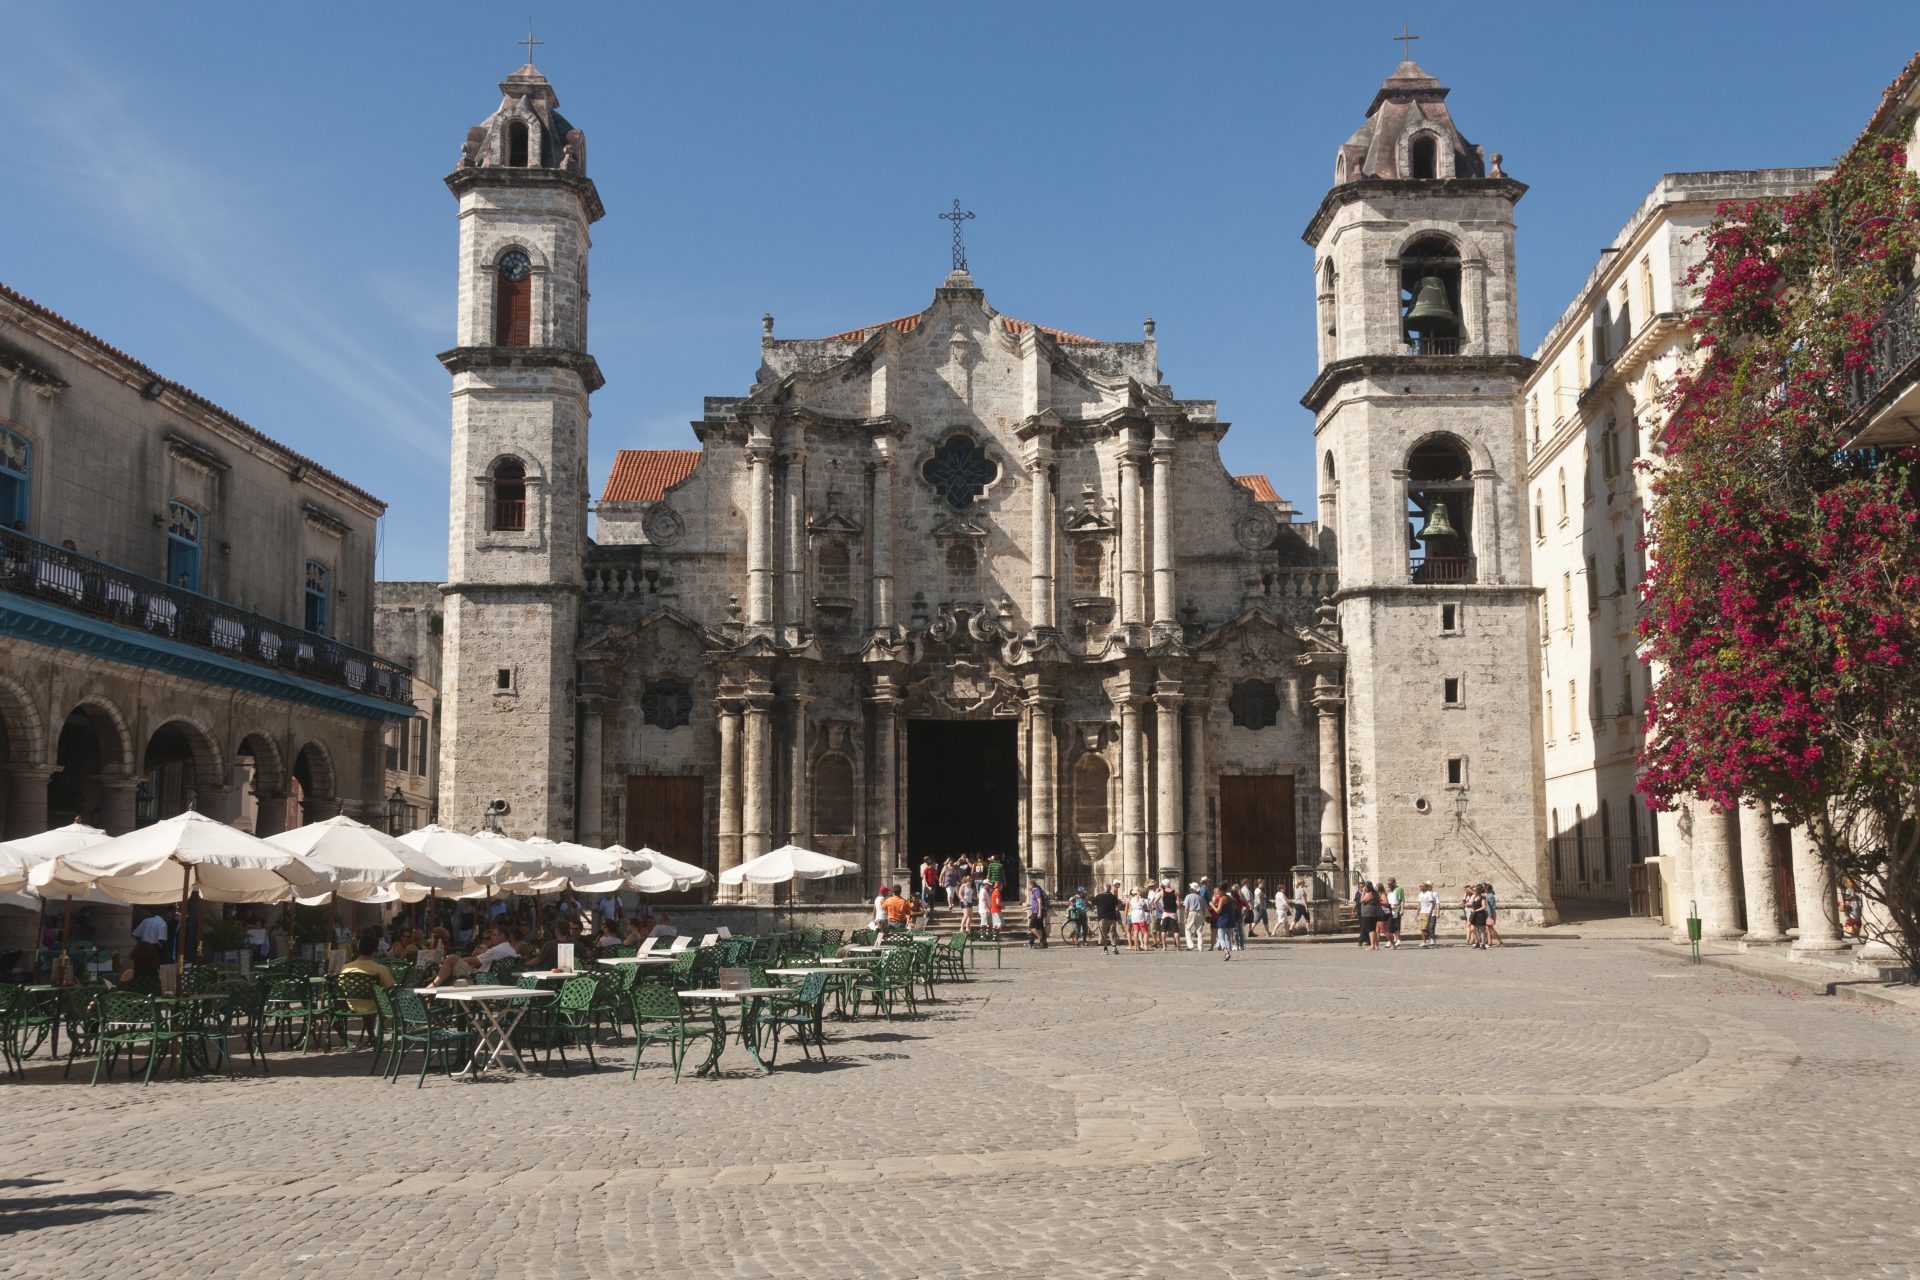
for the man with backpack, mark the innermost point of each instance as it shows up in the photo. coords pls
(1037, 915)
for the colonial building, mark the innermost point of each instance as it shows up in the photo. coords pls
(186, 605)
(1594, 408)
(957, 582)
(407, 621)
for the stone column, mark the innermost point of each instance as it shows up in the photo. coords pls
(799, 813)
(1040, 480)
(1813, 893)
(117, 806)
(728, 836)
(756, 808)
(1676, 849)
(1044, 784)
(1328, 703)
(1199, 786)
(27, 799)
(880, 531)
(1165, 613)
(1131, 517)
(759, 527)
(1133, 772)
(1168, 839)
(794, 609)
(1764, 925)
(589, 827)
(1716, 837)
(885, 701)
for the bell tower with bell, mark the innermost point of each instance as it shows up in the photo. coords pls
(1418, 432)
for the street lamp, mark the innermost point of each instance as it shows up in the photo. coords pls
(396, 807)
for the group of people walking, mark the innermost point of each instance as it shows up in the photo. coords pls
(1158, 917)
(1381, 911)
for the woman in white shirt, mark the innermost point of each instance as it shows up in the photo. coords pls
(1137, 920)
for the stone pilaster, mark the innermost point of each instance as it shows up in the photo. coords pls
(1328, 703)
(1132, 516)
(1814, 898)
(1044, 789)
(884, 805)
(1165, 612)
(1168, 839)
(1040, 479)
(793, 562)
(1676, 847)
(1761, 883)
(1716, 837)
(728, 833)
(1199, 788)
(756, 806)
(799, 814)
(880, 533)
(1133, 784)
(759, 455)
(27, 799)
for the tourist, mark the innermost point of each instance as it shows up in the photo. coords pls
(1361, 890)
(893, 909)
(609, 934)
(1243, 912)
(142, 973)
(456, 967)
(1037, 915)
(1429, 914)
(1492, 935)
(1195, 906)
(1106, 912)
(636, 930)
(949, 883)
(1262, 907)
(363, 962)
(969, 895)
(929, 881)
(1476, 906)
(1226, 920)
(1168, 922)
(1137, 919)
(879, 921)
(1368, 907)
(1077, 917)
(1395, 904)
(993, 903)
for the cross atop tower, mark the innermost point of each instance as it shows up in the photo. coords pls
(1406, 39)
(956, 217)
(529, 42)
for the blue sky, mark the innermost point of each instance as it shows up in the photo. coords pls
(249, 198)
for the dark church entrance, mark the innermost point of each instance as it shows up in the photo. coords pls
(963, 793)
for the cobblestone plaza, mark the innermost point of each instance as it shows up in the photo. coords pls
(1561, 1108)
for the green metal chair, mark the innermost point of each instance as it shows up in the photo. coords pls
(241, 1016)
(803, 1012)
(129, 1018)
(570, 1019)
(82, 1022)
(350, 987)
(951, 959)
(890, 978)
(659, 1015)
(293, 999)
(411, 1024)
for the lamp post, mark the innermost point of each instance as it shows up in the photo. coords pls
(396, 808)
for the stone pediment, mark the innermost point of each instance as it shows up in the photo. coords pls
(618, 639)
(966, 688)
(1255, 640)
(1087, 516)
(958, 527)
(833, 521)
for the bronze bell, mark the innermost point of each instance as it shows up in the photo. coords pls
(1430, 313)
(1438, 526)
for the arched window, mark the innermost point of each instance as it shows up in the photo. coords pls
(1560, 478)
(1332, 475)
(513, 301)
(963, 572)
(183, 546)
(517, 144)
(1579, 842)
(1440, 511)
(1553, 826)
(1430, 314)
(835, 575)
(1090, 781)
(833, 795)
(317, 597)
(1089, 570)
(16, 466)
(508, 496)
(1423, 157)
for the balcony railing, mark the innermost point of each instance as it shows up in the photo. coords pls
(1437, 571)
(1894, 350)
(30, 567)
(1428, 345)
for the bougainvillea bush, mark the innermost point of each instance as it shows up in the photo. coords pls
(1782, 602)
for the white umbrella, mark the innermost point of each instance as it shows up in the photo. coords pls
(166, 861)
(581, 868)
(18, 857)
(362, 864)
(475, 864)
(525, 863)
(668, 875)
(789, 862)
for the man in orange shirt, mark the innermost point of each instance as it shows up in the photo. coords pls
(896, 908)
(993, 903)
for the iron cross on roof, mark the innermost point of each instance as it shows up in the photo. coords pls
(1406, 39)
(956, 217)
(529, 41)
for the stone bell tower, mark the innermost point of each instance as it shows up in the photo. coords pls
(1418, 432)
(517, 532)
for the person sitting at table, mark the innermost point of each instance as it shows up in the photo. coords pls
(143, 969)
(663, 928)
(609, 936)
(363, 962)
(894, 906)
(566, 931)
(636, 931)
(455, 968)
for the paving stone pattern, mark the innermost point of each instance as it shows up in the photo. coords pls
(1565, 1109)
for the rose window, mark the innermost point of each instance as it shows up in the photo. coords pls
(960, 471)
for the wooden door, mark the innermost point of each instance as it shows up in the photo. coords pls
(1256, 827)
(667, 812)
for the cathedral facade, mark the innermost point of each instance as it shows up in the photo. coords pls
(963, 583)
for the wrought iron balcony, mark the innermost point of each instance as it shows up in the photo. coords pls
(30, 567)
(1433, 345)
(1893, 354)
(1439, 571)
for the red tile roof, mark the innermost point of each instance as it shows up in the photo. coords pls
(907, 324)
(1059, 335)
(1260, 487)
(645, 475)
(193, 397)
